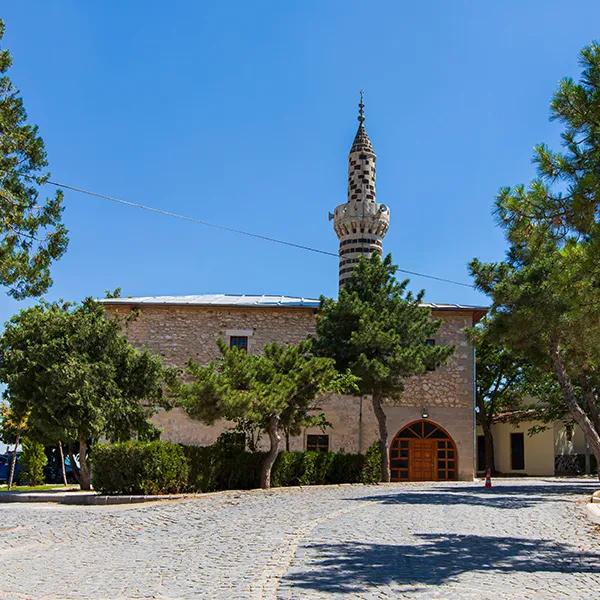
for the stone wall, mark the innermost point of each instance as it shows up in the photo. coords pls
(178, 333)
(181, 333)
(450, 385)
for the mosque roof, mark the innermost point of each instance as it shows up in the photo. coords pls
(262, 301)
(220, 300)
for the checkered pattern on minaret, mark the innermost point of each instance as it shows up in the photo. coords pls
(360, 223)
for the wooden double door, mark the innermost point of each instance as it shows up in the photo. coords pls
(422, 463)
(423, 451)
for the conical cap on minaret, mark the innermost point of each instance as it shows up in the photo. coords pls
(362, 142)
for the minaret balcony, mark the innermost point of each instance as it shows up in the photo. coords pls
(355, 218)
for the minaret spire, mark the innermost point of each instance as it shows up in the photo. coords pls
(361, 109)
(360, 223)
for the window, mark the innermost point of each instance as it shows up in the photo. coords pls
(317, 443)
(517, 451)
(239, 341)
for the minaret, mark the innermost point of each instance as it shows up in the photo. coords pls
(360, 223)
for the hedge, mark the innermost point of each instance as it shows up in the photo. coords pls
(159, 467)
(139, 468)
(219, 467)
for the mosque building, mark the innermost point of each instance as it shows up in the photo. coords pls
(432, 426)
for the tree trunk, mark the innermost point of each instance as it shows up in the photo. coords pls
(271, 457)
(575, 409)
(62, 463)
(74, 465)
(591, 402)
(85, 479)
(13, 462)
(383, 437)
(490, 462)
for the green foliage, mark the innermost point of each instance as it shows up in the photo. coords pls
(371, 468)
(505, 380)
(504, 377)
(160, 467)
(211, 469)
(32, 235)
(284, 381)
(345, 468)
(290, 467)
(277, 390)
(222, 466)
(77, 377)
(135, 467)
(378, 329)
(564, 198)
(33, 460)
(546, 297)
(12, 426)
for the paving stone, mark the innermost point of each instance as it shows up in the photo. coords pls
(521, 540)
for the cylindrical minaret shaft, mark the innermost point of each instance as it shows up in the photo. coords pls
(360, 223)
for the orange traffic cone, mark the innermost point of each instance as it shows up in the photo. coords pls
(488, 479)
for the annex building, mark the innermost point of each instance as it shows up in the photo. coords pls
(432, 427)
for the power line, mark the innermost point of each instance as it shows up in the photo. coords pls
(259, 236)
(417, 274)
(169, 213)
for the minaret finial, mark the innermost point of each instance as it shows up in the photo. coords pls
(361, 108)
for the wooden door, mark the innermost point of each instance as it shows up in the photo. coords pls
(422, 457)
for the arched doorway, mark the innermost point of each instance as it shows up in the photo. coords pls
(423, 451)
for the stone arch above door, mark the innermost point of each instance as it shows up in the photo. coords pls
(423, 451)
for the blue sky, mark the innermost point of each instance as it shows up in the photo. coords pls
(242, 113)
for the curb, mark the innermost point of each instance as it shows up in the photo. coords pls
(93, 499)
(98, 500)
(84, 499)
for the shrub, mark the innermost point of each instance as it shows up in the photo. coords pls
(203, 468)
(288, 469)
(223, 466)
(345, 468)
(34, 460)
(139, 468)
(314, 468)
(159, 467)
(371, 470)
(243, 471)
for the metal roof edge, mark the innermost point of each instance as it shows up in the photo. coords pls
(256, 301)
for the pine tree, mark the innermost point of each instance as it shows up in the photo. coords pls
(276, 391)
(32, 235)
(546, 295)
(379, 331)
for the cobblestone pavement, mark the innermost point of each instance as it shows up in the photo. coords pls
(523, 539)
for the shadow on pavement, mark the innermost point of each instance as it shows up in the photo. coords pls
(500, 496)
(433, 560)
